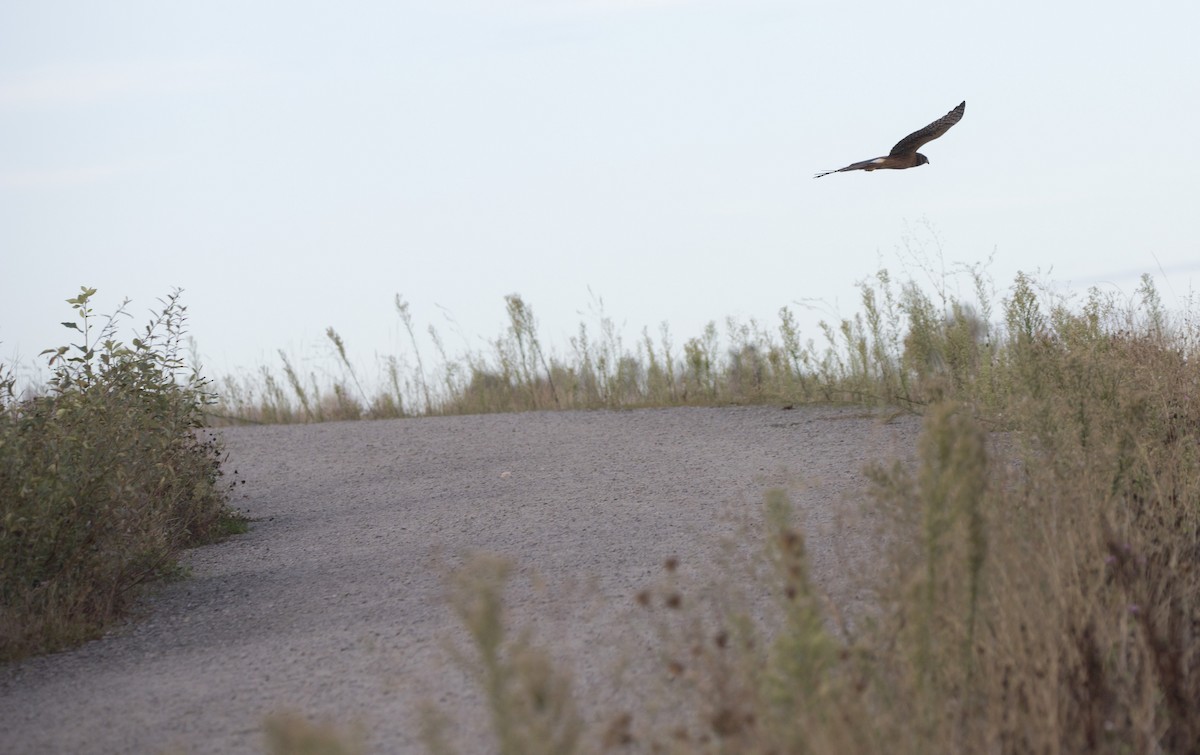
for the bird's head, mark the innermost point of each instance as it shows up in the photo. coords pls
(922, 159)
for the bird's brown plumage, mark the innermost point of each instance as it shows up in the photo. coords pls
(904, 154)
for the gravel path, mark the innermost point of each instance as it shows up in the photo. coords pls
(333, 604)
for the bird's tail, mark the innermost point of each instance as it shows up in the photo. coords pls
(871, 164)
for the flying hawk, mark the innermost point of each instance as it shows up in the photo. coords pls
(904, 154)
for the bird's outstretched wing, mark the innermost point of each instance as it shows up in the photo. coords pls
(917, 139)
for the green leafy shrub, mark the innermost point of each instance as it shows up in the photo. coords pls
(102, 479)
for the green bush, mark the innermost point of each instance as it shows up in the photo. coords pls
(102, 479)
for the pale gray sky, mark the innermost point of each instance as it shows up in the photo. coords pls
(294, 165)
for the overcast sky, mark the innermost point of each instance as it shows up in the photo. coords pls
(293, 166)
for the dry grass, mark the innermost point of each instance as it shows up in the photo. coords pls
(1042, 589)
(1042, 582)
(747, 363)
(532, 711)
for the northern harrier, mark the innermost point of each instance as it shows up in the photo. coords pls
(904, 154)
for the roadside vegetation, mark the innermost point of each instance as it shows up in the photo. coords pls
(1040, 588)
(1041, 580)
(104, 477)
(736, 363)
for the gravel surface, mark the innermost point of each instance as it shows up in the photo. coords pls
(334, 605)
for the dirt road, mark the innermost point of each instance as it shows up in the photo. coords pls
(333, 604)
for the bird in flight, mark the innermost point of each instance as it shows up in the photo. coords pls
(904, 154)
